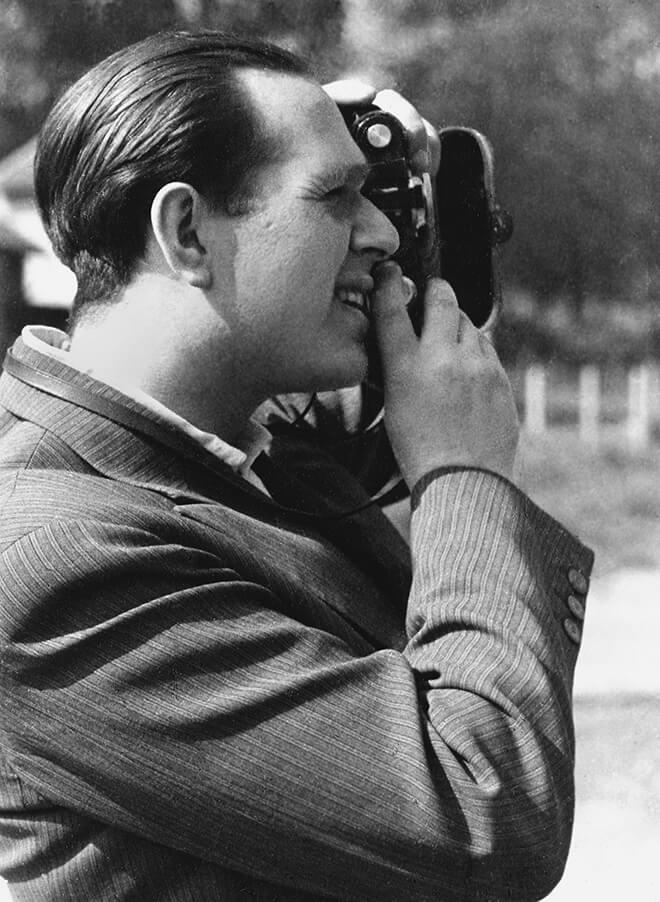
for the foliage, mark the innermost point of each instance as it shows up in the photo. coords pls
(46, 44)
(605, 332)
(600, 493)
(569, 95)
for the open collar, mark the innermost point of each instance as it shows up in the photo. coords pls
(309, 490)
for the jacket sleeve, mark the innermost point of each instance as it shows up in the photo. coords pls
(147, 685)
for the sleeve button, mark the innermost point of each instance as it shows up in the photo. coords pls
(576, 607)
(578, 580)
(572, 630)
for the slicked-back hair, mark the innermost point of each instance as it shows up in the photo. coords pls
(169, 108)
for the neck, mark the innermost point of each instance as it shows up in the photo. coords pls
(169, 351)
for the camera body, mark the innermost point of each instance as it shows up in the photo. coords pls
(448, 226)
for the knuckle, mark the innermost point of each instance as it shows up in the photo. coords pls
(440, 292)
(385, 313)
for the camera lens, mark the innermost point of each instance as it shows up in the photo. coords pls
(379, 135)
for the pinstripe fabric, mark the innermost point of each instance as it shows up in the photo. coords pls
(206, 698)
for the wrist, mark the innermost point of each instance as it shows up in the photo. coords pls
(420, 486)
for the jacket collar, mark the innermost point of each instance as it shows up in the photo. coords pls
(122, 440)
(114, 434)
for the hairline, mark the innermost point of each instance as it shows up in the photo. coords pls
(275, 141)
(265, 143)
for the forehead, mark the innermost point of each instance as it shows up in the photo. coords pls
(304, 124)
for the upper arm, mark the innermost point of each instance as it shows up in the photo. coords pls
(150, 683)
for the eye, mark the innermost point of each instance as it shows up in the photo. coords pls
(343, 198)
(339, 191)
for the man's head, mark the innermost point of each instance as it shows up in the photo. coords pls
(170, 108)
(233, 230)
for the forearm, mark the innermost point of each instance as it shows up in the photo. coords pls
(198, 709)
(486, 625)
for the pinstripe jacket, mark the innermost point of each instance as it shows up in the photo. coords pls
(211, 695)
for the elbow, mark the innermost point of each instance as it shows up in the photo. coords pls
(530, 870)
(528, 822)
(525, 850)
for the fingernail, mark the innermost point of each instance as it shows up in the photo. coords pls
(410, 288)
(422, 160)
(386, 269)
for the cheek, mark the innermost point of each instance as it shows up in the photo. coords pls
(291, 259)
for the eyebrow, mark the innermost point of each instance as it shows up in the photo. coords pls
(354, 174)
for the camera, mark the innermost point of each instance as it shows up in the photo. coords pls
(448, 226)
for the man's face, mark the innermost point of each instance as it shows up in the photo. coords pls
(303, 256)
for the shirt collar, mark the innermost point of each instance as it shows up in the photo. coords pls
(254, 439)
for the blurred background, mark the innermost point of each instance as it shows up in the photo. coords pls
(569, 96)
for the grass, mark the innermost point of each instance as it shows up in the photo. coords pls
(617, 825)
(625, 769)
(608, 496)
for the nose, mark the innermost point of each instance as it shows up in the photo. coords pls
(373, 232)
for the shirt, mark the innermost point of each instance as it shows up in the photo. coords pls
(254, 439)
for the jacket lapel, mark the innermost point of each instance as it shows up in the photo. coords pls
(309, 489)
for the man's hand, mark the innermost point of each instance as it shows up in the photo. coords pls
(423, 139)
(448, 401)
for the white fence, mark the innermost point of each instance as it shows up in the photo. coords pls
(638, 403)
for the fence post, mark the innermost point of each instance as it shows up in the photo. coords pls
(535, 399)
(589, 403)
(639, 409)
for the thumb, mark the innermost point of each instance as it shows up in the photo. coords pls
(441, 313)
(350, 91)
(394, 331)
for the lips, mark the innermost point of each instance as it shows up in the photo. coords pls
(353, 298)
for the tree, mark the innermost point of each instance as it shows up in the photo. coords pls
(569, 95)
(311, 28)
(46, 44)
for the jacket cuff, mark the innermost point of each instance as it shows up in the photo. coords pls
(468, 521)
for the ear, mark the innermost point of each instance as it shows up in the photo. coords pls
(177, 211)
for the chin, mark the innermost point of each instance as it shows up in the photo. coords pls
(328, 372)
(352, 373)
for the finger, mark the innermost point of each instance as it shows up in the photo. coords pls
(486, 344)
(433, 142)
(392, 102)
(427, 159)
(473, 340)
(389, 298)
(350, 92)
(442, 316)
(467, 334)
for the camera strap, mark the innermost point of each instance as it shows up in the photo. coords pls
(173, 439)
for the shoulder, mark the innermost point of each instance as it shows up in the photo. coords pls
(33, 499)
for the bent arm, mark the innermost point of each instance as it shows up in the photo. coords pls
(155, 688)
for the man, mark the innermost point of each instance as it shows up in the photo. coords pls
(221, 678)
